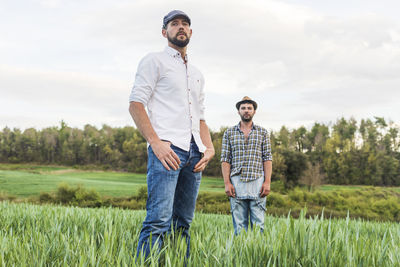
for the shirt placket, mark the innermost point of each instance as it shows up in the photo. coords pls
(246, 155)
(242, 145)
(190, 98)
(250, 144)
(189, 95)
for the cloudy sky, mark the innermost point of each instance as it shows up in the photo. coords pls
(303, 61)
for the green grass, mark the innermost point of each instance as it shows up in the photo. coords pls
(329, 187)
(67, 236)
(30, 180)
(31, 167)
(25, 180)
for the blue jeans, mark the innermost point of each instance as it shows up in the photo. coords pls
(247, 204)
(242, 209)
(171, 198)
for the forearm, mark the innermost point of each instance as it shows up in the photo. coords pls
(142, 121)
(267, 171)
(206, 137)
(209, 152)
(226, 172)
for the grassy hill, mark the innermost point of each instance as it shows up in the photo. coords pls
(24, 180)
(30, 180)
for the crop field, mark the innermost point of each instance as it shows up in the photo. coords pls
(67, 236)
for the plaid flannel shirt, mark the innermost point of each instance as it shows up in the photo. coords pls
(246, 157)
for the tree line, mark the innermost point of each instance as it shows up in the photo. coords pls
(345, 152)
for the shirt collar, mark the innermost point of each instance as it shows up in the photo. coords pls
(253, 127)
(174, 53)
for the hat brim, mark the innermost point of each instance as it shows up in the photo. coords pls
(246, 101)
(177, 16)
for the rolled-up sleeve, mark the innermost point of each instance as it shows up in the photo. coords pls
(146, 79)
(266, 148)
(226, 149)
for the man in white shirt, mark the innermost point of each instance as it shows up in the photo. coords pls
(179, 141)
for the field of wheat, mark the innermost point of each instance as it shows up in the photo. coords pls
(33, 235)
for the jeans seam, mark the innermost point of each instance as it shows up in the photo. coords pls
(233, 204)
(260, 204)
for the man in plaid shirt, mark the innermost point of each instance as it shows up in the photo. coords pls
(246, 167)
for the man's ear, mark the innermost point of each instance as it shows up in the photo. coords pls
(164, 32)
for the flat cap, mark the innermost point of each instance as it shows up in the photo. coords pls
(173, 14)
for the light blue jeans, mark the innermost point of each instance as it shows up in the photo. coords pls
(247, 204)
(171, 198)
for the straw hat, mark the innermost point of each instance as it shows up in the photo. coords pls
(246, 99)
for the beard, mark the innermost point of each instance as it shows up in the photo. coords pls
(246, 118)
(177, 42)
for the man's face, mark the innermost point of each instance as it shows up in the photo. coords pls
(246, 112)
(178, 32)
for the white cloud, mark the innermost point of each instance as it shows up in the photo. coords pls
(301, 60)
(77, 98)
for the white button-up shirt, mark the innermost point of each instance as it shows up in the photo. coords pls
(173, 93)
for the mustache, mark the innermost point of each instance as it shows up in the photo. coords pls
(179, 33)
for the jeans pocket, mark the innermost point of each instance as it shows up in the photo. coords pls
(198, 175)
